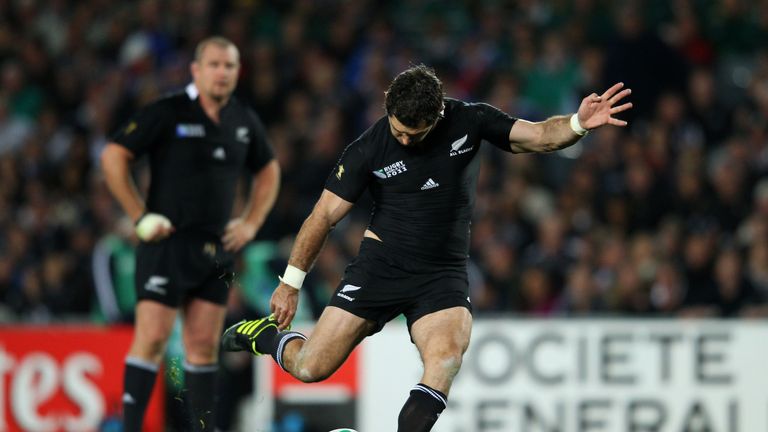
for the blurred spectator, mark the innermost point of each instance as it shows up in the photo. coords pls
(581, 296)
(668, 290)
(537, 293)
(14, 129)
(629, 295)
(735, 292)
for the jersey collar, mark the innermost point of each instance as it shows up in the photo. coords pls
(192, 91)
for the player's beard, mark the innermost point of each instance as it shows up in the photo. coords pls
(219, 96)
(220, 93)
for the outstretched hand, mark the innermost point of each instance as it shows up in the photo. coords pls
(597, 110)
(283, 304)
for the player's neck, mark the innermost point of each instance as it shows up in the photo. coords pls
(212, 107)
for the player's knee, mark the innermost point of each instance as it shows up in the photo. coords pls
(202, 347)
(310, 370)
(149, 347)
(309, 375)
(446, 364)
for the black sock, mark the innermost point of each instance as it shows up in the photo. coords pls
(200, 386)
(421, 410)
(280, 341)
(137, 388)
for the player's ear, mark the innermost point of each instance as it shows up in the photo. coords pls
(194, 67)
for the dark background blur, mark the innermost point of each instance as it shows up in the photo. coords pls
(669, 214)
(668, 217)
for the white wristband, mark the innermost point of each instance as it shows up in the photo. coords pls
(293, 277)
(576, 126)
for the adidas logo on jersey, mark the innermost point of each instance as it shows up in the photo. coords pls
(430, 184)
(219, 153)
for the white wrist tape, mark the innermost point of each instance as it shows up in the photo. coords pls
(576, 126)
(293, 276)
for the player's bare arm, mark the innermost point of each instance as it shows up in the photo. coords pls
(264, 188)
(557, 133)
(116, 164)
(328, 210)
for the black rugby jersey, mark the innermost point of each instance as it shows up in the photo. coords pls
(423, 194)
(195, 163)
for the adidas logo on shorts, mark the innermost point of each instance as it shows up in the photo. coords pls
(430, 184)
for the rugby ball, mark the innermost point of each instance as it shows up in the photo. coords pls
(149, 224)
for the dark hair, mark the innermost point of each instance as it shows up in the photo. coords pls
(415, 96)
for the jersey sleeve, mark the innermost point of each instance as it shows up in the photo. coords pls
(260, 151)
(351, 175)
(494, 125)
(144, 130)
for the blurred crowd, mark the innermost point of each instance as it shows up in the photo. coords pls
(668, 217)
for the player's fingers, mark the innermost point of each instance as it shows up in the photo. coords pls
(228, 237)
(161, 233)
(230, 243)
(621, 108)
(620, 95)
(235, 245)
(616, 122)
(286, 321)
(591, 100)
(611, 91)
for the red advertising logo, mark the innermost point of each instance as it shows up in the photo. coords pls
(63, 378)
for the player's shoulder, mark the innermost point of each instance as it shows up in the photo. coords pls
(458, 111)
(169, 103)
(243, 111)
(456, 106)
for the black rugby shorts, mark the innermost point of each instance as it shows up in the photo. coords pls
(379, 285)
(182, 266)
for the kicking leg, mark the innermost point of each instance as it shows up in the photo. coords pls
(312, 359)
(442, 338)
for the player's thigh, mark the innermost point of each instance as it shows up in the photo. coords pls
(442, 334)
(154, 322)
(335, 335)
(203, 323)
